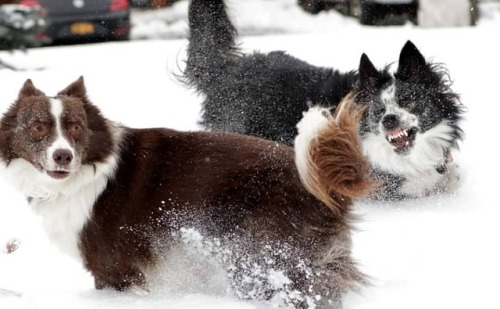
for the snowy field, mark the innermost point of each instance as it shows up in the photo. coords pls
(438, 252)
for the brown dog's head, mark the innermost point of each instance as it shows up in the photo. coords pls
(52, 134)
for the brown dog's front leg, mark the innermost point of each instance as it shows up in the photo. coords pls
(128, 280)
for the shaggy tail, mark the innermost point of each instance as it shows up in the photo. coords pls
(328, 155)
(211, 42)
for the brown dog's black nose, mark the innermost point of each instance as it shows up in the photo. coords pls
(62, 156)
(390, 121)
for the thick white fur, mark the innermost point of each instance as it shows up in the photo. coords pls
(64, 204)
(426, 154)
(308, 127)
(419, 166)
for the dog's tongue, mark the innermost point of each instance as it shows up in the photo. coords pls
(399, 142)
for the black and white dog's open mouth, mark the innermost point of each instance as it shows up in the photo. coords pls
(402, 139)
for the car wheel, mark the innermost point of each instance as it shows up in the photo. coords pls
(139, 3)
(312, 6)
(369, 14)
(123, 37)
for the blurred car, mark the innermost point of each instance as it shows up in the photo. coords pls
(388, 12)
(78, 21)
(428, 13)
(315, 6)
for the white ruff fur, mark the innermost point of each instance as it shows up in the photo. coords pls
(64, 204)
(419, 166)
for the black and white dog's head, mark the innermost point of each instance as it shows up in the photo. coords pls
(413, 116)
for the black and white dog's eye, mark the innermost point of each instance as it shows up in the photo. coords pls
(408, 105)
(379, 111)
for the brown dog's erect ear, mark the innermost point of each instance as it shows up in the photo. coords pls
(75, 89)
(29, 90)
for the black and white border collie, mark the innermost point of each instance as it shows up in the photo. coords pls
(117, 197)
(409, 129)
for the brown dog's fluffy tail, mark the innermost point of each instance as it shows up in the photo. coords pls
(328, 155)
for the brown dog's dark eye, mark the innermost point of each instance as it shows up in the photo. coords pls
(75, 130)
(39, 129)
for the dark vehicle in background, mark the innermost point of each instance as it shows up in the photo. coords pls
(398, 12)
(150, 3)
(345, 7)
(369, 12)
(388, 12)
(77, 21)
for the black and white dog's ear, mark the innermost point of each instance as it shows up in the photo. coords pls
(75, 89)
(29, 90)
(411, 62)
(368, 74)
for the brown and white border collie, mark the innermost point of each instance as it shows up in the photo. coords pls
(117, 197)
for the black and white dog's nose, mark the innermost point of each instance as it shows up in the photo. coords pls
(62, 156)
(390, 121)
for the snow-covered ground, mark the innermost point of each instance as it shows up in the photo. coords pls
(438, 252)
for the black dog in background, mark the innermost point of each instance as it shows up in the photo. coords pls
(408, 130)
(258, 94)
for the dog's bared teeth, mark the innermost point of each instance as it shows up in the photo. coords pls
(392, 136)
(405, 133)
